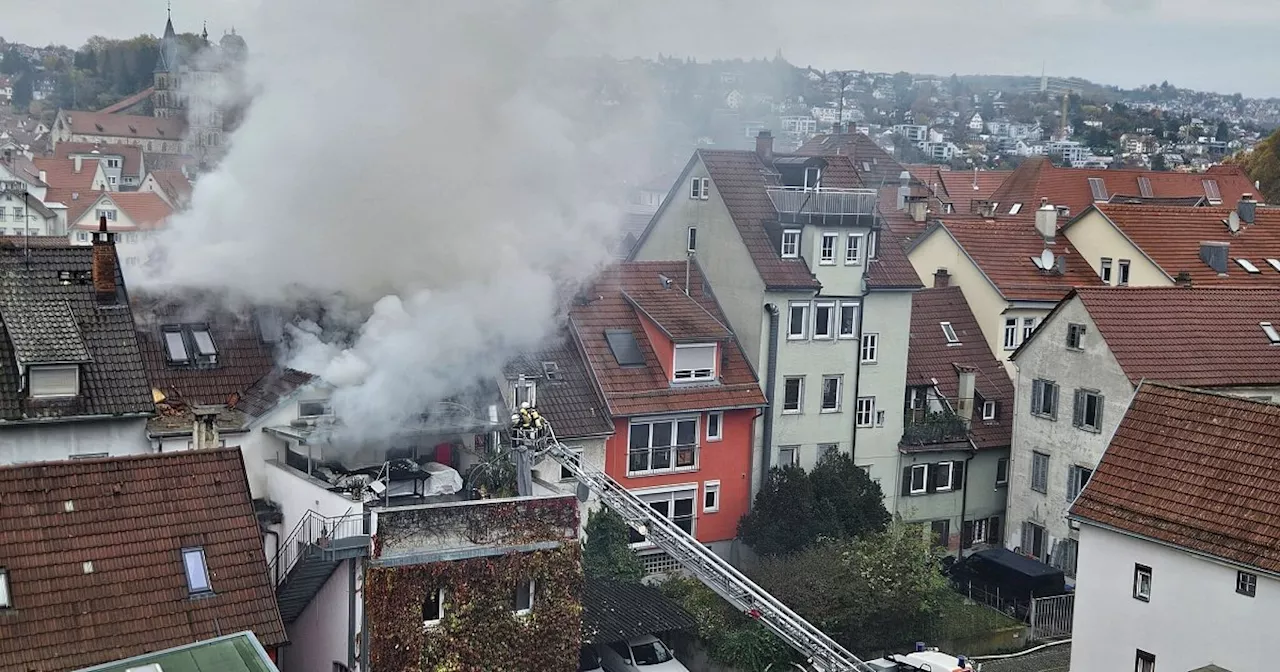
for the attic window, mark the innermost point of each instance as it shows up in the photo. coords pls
(174, 345)
(6, 602)
(950, 333)
(197, 571)
(551, 370)
(623, 345)
(314, 409)
(1211, 192)
(54, 381)
(204, 342)
(1274, 263)
(1270, 331)
(270, 325)
(1099, 188)
(1247, 265)
(525, 392)
(1144, 187)
(695, 362)
(1015, 209)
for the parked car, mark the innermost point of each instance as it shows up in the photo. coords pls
(589, 660)
(640, 654)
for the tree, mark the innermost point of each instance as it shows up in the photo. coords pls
(13, 63)
(22, 92)
(794, 509)
(730, 637)
(1263, 166)
(607, 553)
(1223, 133)
(1158, 163)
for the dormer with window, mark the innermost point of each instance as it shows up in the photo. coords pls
(47, 346)
(695, 362)
(524, 390)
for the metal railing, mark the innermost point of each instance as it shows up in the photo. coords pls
(991, 598)
(1051, 617)
(924, 427)
(658, 459)
(823, 200)
(314, 529)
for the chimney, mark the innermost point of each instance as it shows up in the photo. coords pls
(965, 394)
(1047, 221)
(764, 146)
(1183, 279)
(204, 433)
(79, 162)
(104, 263)
(941, 278)
(918, 208)
(904, 189)
(43, 176)
(1247, 208)
(1215, 256)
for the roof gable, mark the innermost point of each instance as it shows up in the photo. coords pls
(124, 125)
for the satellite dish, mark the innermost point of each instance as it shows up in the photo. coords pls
(1046, 258)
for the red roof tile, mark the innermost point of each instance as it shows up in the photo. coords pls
(638, 390)
(1194, 469)
(875, 166)
(1036, 178)
(1003, 250)
(1171, 237)
(959, 186)
(129, 102)
(930, 357)
(677, 314)
(1199, 336)
(130, 517)
(174, 183)
(146, 210)
(68, 187)
(741, 180)
(891, 269)
(569, 398)
(131, 154)
(123, 125)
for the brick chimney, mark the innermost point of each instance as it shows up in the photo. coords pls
(1247, 208)
(104, 263)
(204, 434)
(79, 162)
(764, 146)
(941, 278)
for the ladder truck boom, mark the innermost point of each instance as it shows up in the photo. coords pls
(532, 435)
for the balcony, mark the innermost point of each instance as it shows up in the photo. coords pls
(662, 459)
(822, 205)
(928, 428)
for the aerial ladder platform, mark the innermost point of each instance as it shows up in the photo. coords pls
(533, 439)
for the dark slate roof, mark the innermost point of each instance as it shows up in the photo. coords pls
(270, 389)
(130, 517)
(614, 611)
(113, 380)
(1193, 469)
(571, 402)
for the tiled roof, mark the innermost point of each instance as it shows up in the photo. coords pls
(175, 184)
(1198, 336)
(891, 269)
(24, 169)
(147, 210)
(741, 180)
(1003, 250)
(42, 330)
(124, 125)
(876, 167)
(270, 389)
(570, 401)
(131, 154)
(1037, 178)
(1194, 469)
(636, 390)
(95, 569)
(1171, 237)
(615, 611)
(113, 381)
(68, 187)
(677, 314)
(129, 102)
(959, 187)
(930, 357)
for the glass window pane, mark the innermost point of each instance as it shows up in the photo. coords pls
(175, 347)
(204, 342)
(197, 572)
(639, 436)
(687, 432)
(662, 433)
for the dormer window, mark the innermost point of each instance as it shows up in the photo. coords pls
(694, 362)
(46, 381)
(791, 243)
(525, 391)
(314, 409)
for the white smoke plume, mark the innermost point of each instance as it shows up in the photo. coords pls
(436, 169)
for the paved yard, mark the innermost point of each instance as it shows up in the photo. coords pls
(1053, 659)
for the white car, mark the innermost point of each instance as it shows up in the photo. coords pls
(640, 654)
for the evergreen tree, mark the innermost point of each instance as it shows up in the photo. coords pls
(607, 552)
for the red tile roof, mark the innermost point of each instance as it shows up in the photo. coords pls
(1036, 178)
(130, 517)
(129, 102)
(68, 187)
(678, 315)
(891, 269)
(875, 166)
(930, 357)
(959, 187)
(1194, 469)
(174, 183)
(131, 154)
(1171, 237)
(147, 210)
(124, 125)
(1198, 336)
(1003, 250)
(741, 178)
(639, 390)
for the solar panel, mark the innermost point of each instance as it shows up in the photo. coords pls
(1098, 187)
(624, 347)
(1144, 187)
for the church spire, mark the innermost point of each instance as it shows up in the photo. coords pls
(204, 33)
(169, 32)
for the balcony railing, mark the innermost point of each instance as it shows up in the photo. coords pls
(823, 201)
(661, 459)
(314, 529)
(924, 428)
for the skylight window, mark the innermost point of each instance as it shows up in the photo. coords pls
(6, 602)
(1099, 188)
(1247, 265)
(950, 333)
(204, 342)
(1017, 207)
(626, 351)
(1211, 191)
(1144, 187)
(1274, 263)
(175, 347)
(1270, 331)
(197, 571)
(551, 370)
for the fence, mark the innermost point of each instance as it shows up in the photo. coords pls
(313, 529)
(1014, 608)
(1051, 617)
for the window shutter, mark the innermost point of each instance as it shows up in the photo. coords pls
(906, 481)
(1037, 393)
(957, 475)
(1071, 492)
(931, 477)
(1078, 413)
(1026, 539)
(1053, 404)
(993, 531)
(1101, 403)
(966, 534)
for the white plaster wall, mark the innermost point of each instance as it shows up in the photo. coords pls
(63, 440)
(1194, 618)
(296, 494)
(889, 315)
(320, 636)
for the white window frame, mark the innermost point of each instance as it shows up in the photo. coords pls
(981, 527)
(924, 479)
(869, 348)
(827, 253)
(6, 597)
(853, 324)
(865, 413)
(1144, 661)
(1005, 480)
(719, 423)
(1142, 580)
(1029, 325)
(1272, 334)
(830, 331)
(1122, 273)
(1011, 333)
(949, 332)
(988, 409)
(951, 476)
(693, 374)
(429, 622)
(804, 307)
(523, 611)
(711, 488)
(839, 394)
(795, 456)
(51, 368)
(670, 494)
(700, 188)
(1246, 584)
(691, 239)
(817, 178)
(790, 248)
(1105, 270)
(873, 246)
(565, 474)
(799, 396)
(671, 467)
(853, 249)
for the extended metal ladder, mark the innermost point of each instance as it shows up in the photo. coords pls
(822, 652)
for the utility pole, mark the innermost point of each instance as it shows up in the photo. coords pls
(843, 77)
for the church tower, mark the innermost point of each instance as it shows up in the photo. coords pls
(165, 101)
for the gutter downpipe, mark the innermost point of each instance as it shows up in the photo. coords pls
(771, 380)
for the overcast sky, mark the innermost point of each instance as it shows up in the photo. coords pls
(1220, 46)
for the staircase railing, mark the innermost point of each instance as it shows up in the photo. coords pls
(316, 529)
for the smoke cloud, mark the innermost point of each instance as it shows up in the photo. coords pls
(435, 173)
